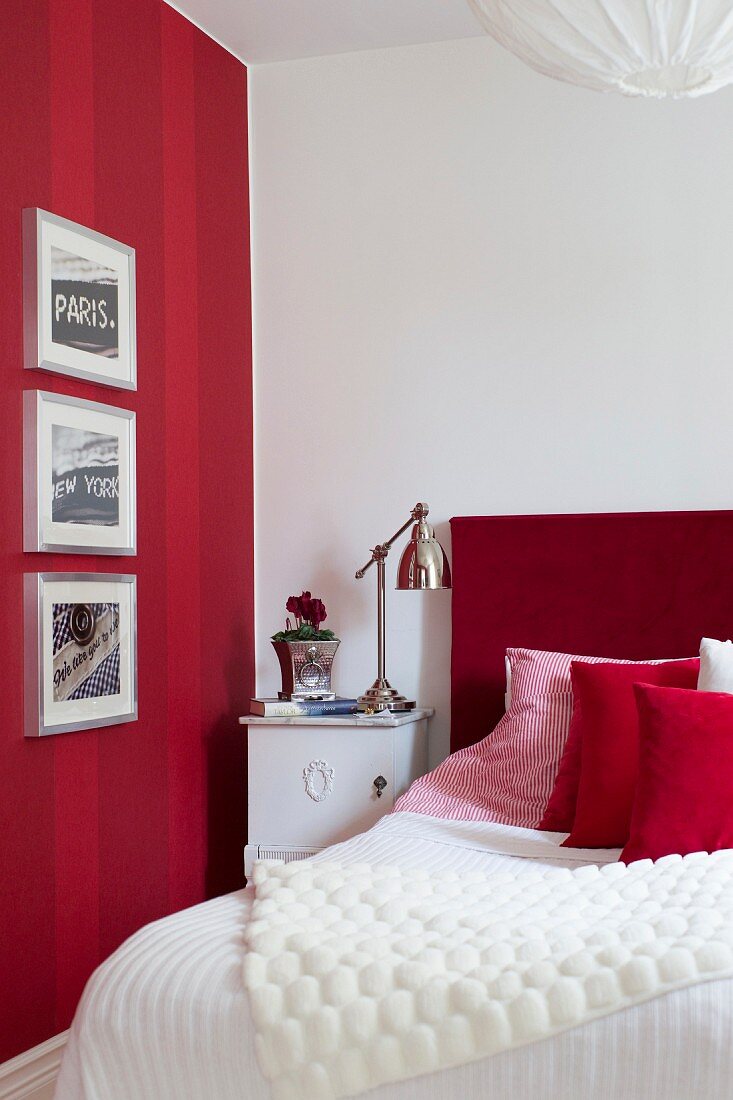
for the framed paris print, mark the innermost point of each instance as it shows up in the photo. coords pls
(79, 476)
(80, 651)
(78, 302)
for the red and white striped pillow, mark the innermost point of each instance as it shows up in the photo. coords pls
(508, 777)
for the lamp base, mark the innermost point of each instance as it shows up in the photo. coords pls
(382, 696)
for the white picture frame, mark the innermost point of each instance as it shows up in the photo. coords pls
(80, 651)
(79, 474)
(79, 313)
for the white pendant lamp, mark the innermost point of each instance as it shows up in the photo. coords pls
(660, 48)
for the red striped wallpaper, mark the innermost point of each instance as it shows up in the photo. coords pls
(125, 117)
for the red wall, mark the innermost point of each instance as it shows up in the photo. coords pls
(122, 116)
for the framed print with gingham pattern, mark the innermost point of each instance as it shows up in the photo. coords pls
(80, 652)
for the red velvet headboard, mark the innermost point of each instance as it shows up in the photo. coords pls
(630, 584)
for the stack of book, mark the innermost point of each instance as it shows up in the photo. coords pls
(301, 708)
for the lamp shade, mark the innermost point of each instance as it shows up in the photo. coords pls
(424, 563)
(660, 48)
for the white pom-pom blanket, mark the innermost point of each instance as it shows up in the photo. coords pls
(361, 975)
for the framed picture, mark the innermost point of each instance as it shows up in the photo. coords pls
(80, 651)
(79, 475)
(78, 302)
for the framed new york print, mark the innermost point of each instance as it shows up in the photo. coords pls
(79, 492)
(78, 302)
(80, 651)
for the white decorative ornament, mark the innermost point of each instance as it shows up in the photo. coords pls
(659, 48)
(322, 769)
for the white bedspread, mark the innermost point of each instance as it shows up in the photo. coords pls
(167, 1017)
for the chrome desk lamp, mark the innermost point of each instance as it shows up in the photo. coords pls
(423, 565)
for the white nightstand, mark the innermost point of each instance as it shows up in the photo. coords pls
(315, 781)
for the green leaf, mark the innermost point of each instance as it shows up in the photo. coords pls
(305, 633)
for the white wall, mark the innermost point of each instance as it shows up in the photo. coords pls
(480, 288)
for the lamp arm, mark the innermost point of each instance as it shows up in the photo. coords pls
(379, 553)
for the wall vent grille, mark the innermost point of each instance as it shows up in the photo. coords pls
(287, 854)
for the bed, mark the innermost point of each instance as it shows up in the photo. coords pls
(168, 1015)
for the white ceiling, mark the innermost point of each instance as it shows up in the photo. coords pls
(281, 30)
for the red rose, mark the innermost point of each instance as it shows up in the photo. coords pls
(306, 609)
(293, 605)
(305, 606)
(317, 613)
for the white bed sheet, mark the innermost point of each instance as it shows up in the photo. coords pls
(167, 1016)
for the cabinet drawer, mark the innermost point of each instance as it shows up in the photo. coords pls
(337, 801)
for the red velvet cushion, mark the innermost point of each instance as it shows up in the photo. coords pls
(684, 795)
(610, 745)
(559, 815)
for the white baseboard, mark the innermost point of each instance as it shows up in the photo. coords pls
(32, 1075)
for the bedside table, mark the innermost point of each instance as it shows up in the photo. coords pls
(316, 781)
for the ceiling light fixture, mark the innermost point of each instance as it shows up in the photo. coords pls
(660, 48)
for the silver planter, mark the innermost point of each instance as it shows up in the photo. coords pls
(306, 668)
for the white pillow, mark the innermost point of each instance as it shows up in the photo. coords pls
(716, 666)
(508, 692)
